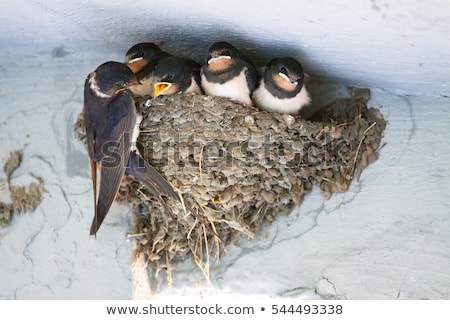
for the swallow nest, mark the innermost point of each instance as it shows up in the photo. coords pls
(236, 168)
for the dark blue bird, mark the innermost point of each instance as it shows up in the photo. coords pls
(142, 59)
(176, 75)
(282, 87)
(228, 73)
(111, 130)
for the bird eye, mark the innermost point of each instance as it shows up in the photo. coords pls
(283, 70)
(226, 53)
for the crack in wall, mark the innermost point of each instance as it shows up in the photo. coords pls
(26, 252)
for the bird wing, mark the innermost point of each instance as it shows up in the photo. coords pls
(87, 110)
(113, 145)
(142, 171)
(251, 75)
(195, 74)
(147, 71)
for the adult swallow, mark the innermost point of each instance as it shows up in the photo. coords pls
(111, 130)
(142, 59)
(281, 89)
(228, 73)
(176, 75)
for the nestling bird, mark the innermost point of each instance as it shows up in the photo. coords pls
(281, 89)
(142, 59)
(176, 75)
(112, 128)
(228, 73)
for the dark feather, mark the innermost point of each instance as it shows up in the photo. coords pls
(251, 75)
(148, 176)
(112, 149)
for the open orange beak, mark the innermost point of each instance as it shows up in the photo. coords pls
(160, 87)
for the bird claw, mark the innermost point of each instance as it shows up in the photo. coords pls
(252, 107)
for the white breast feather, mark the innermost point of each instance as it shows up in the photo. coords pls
(266, 101)
(136, 132)
(237, 89)
(193, 88)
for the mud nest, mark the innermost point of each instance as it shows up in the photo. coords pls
(236, 168)
(23, 198)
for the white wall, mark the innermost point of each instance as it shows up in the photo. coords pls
(385, 238)
(403, 46)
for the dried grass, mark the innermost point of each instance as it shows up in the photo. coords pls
(236, 169)
(23, 198)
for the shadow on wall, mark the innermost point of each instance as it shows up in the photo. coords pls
(194, 41)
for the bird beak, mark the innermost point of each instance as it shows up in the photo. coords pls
(160, 87)
(132, 60)
(293, 81)
(216, 58)
(133, 82)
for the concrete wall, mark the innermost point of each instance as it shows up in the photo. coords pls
(401, 46)
(385, 238)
